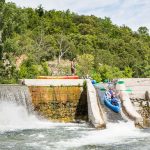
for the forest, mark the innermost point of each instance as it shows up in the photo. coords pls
(32, 38)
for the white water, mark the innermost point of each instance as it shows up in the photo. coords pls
(61, 135)
(16, 114)
(16, 117)
(115, 133)
(16, 94)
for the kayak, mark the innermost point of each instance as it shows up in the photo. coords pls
(58, 77)
(116, 108)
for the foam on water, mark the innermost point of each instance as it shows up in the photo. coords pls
(115, 133)
(16, 117)
(61, 135)
(16, 113)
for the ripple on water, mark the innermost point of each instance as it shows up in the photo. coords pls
(20, 131)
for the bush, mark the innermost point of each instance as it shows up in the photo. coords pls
(29, 69)
(85, 64)
(109, 72)
(96, 76)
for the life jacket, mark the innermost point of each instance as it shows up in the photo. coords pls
(112, 93)
(108, 95)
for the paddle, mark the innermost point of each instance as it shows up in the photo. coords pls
(102, 89)
(127, 90)
(120, 82)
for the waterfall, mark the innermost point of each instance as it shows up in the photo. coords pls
(16, 110)
(18, 94)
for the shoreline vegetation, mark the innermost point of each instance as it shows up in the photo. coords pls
(37, 42)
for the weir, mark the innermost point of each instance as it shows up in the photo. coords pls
(109, 115)
(58, 99)
(69, 100)
(18, 94)
(17, 125)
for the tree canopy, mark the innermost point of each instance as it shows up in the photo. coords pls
(109, 50)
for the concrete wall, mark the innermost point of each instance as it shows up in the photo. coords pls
(59, 99)
(95, 112)
(66, 100)
(139, 98)
(127, 105)
(60, 103)
(138, 86)
(53, 82)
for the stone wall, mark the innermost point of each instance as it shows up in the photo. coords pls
(138, 86)
(60, 103)
(140, 96)
(142, 106)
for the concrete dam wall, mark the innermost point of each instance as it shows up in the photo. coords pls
(140, 96)
(58, 99)
(74, 100)
(60, 103)
(66, 100)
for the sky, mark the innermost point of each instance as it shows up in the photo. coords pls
(132, 13)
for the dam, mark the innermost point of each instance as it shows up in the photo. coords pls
(58, 114)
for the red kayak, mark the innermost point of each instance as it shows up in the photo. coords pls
(58, 77)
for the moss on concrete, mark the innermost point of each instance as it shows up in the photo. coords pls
(60, 103)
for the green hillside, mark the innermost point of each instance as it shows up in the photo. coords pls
(30, 38)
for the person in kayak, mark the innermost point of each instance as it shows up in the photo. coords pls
(112, 95)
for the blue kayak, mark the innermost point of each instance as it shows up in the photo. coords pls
(116, 108)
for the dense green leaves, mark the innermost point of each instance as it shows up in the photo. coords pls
(85, 64)
(143, 31)
(30, 69)
(103, 50)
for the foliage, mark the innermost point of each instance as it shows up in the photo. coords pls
(85, 64)
(96, 76)
(143, 30)
(103, 50)
(30, 69)
(109, 72)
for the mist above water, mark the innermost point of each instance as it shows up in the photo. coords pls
(16, 117)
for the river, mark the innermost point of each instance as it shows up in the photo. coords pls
(21, 131)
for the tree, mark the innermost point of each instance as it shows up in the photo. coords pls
(2, 2)
(30, 69)
(85, 64)
(40, 10)
(143, 30)
(104, 50)
(146, 73)
(64, 46)
(108, 72)
(128, 72)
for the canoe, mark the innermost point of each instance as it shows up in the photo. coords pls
(115, 108)
(58, 77)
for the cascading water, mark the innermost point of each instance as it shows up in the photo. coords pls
(20, 129)
(16, 110)
(16, 94)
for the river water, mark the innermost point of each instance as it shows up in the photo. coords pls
(20, 131)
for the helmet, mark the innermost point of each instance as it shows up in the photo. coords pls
(110, 86)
